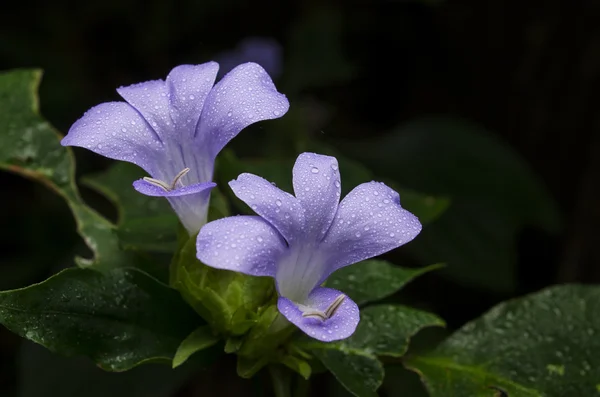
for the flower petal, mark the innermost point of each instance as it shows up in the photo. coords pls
(190, 203)
(369, 222)
(245, 244)
(151, 99)
(243, 97)
(150, 189)
(188, 87)
(117, 131)
(317, 186)
(279, 208)
(340, 326)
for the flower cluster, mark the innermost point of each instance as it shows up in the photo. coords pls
(174, 129)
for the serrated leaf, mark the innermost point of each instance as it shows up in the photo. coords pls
(544, 344)
(202, 338)
(494, 195)
(29, 146)
(119, 319)
(372, 280)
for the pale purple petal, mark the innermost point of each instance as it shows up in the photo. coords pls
(245, 244)
(340, 326)
(188, 87)
(151, 99)
(317, 185)
(243, 97)
(369, 222)
(280, 209)
(117, 131)
(150, 189)
(190, 203)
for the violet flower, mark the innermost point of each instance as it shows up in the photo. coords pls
(174, 129)
(301, 240)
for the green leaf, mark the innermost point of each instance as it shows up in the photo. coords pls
(119, 319)
(544, 344)
(372, 280)
(203, 337)
(146, 223)
(46, 374)
(361, 374)
(494, 195)
(29, 146)
(384, 330)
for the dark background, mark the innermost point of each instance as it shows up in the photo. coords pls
(528, 72)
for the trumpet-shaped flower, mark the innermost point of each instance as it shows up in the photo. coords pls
(174, 129)
(301, 240)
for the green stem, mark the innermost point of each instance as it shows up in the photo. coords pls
(281, 380)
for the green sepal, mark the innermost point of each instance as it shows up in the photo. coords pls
(230, 302)
(202, 338)
(298, 365)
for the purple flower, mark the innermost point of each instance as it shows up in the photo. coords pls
(174, 129)
(301, 240)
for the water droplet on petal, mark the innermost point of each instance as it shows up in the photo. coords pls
(314, 170)
(278, 202)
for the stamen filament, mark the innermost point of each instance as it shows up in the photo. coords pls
(335, 305)
(178, 177)
(329, 312)
(157, 182)
(164, 185)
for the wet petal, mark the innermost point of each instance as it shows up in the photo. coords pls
(117, 131)
(317, 187)
(243, 97)
(150, 189)
(280, 209)
(245, 244)
(151, 99)
(369, 222)
(190, 203)
(340, 326)
(188, 87)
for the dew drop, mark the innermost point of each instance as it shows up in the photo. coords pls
(278, 202)
(334, 167)
(314, 170)
(259, 239)
(357, 234)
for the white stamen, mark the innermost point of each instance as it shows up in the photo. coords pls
(178, 177)
(329, 312)
(164, 185)
(335, 305)
(157, 182)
